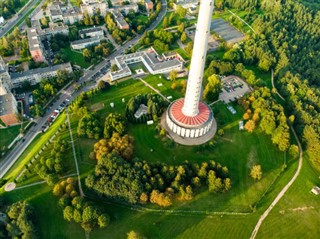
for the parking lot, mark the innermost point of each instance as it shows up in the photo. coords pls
(233, 89)
(226, 31)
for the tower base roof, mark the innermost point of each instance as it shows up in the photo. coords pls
(187, 140)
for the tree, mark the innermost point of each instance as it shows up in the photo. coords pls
(114, 68)
(183, 37)
(134, 235)
(212, 90)
(250, 125)
(165, 22)
(294, 150)
(102, 85)
(103, 220)
(173, 75)
(181, 11)
(256, 172)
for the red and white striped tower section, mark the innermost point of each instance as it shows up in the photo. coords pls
(188, 117)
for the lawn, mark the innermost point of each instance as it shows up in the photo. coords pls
(40, 140)
(297, 214)
(238, 150)
(75, 57)
(165, 88)
(7, 135)
(67, 160)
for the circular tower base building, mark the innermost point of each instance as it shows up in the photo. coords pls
(189, 130)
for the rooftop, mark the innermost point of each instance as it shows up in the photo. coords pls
(34, 42)
(86, 40)
(90, 30)
(150, 58)
(40, 70)
(6, 104)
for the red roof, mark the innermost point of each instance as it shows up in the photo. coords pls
(178, 116)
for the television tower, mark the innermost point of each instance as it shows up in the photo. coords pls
(189, 118)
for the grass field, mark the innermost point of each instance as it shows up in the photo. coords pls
(34, 147)
(75, 57)
(7, 135)
(238, 150)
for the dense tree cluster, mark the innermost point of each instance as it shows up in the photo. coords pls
(158, 183)
(117, 144)
(89, 126)
(77, 209)
(159, 38)
(118, 34)
(9, 7)
(287, 40)
(13, 43)
(261, 108)
(94, 54)
(154, 103)
(114, 123)
(20, 222)
(212, 89)
(49, 168)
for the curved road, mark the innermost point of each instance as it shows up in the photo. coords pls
(13, 155)
(286, 187)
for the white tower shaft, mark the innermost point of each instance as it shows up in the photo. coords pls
(192, 98)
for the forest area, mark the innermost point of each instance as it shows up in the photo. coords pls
(287, 41)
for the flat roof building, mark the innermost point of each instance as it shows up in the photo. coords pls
(83, 43)
(155, 63)
(35, 45)
(8, 109)
(91, 32)
(36, 75)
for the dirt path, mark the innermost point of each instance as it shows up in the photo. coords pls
(286, 187)
(74, 155)
(272, 82)
(155, 90)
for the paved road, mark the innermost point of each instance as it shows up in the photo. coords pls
(11, 22)
(15, 153)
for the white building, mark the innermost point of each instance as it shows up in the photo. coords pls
(92, 32)
(83, 43)
(155, 64)
(127, 8)
(92, 7)
(36, 75)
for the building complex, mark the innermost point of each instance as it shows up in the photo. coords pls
(155, 63)
(36, 75)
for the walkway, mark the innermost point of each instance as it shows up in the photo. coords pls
(74, 155)
(154, 89)
(272, 82)
(241, 20)
(286, 187)
(41, 182)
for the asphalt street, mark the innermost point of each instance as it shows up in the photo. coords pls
(15, 153)
(11, 22)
